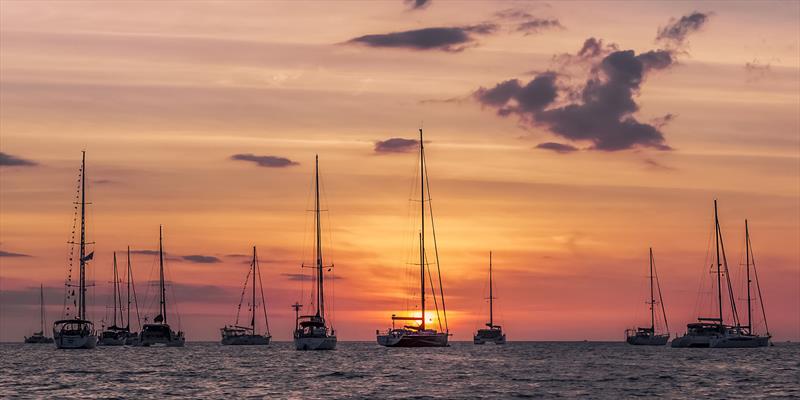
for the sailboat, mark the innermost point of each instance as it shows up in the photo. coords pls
(131, 338)
(493, 333)
(712, 331)
(420, 335)
(745, 336)
(648, 336)
(114, 335)
(246, 335)
(39, 337)
(77, 332)
(159, 333)
(311, 331)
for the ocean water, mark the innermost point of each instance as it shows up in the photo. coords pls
(366, 370)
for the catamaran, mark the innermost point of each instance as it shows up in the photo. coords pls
(311, 331)
(246, 335)
(114, 335)
(492, 333)
(39, 337)
(160, 333)
(745, 336)
(648, 336)
(420, 335)
(712, 331)
(77, 332)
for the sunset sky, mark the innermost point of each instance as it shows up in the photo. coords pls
(566, 137)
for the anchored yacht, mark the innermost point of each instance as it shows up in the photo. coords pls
(77, 332)
(160, 333)
(713, 331)
(419, 334)
(648, 336)
(312, 332)
(39, 337)
(492, 333)
(236, 334)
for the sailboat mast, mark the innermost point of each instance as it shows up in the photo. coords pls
(652, 297)
(422, 229)
(41, 304)
(253, 318)
(719, 263)
(116, 279)
(82, 254)
(747, 263)
(162, 291)
(491, 294)
(320, 286)
(128, 325)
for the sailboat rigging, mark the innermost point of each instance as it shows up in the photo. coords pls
(131, 338)
(312, 331)
(648, 336)
(160, 333)
(115, 335)
(78, 332)
(493, 333)
(236, 334)
(712, 331)
(39, 337)
(420, 335)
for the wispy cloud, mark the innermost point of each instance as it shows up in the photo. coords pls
(10, 254)
(265, 161)
(201, 259)
(449, 39)
(302, 277)
(557, 147)
(7, 160)
(395, 145)
(676, 31)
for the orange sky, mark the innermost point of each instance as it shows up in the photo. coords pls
(161, 96)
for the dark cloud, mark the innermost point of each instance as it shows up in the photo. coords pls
(593, 47)
(603, 111)
(511, 97)
(418, 4)
(7, 160)
(10, 254)
(265, 161)
(301, 277)
(396, 145)
(200, 259)
(677, 29)
(557, 147)
(450, 39)
(145, 252)
(537, 25)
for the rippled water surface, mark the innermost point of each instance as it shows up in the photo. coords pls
(357, 370)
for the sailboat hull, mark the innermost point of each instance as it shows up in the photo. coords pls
(650, 340)
(246, 340)
(413, 340)
(38, 339)
(76, 341)
(315, 343)
(739, 341)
